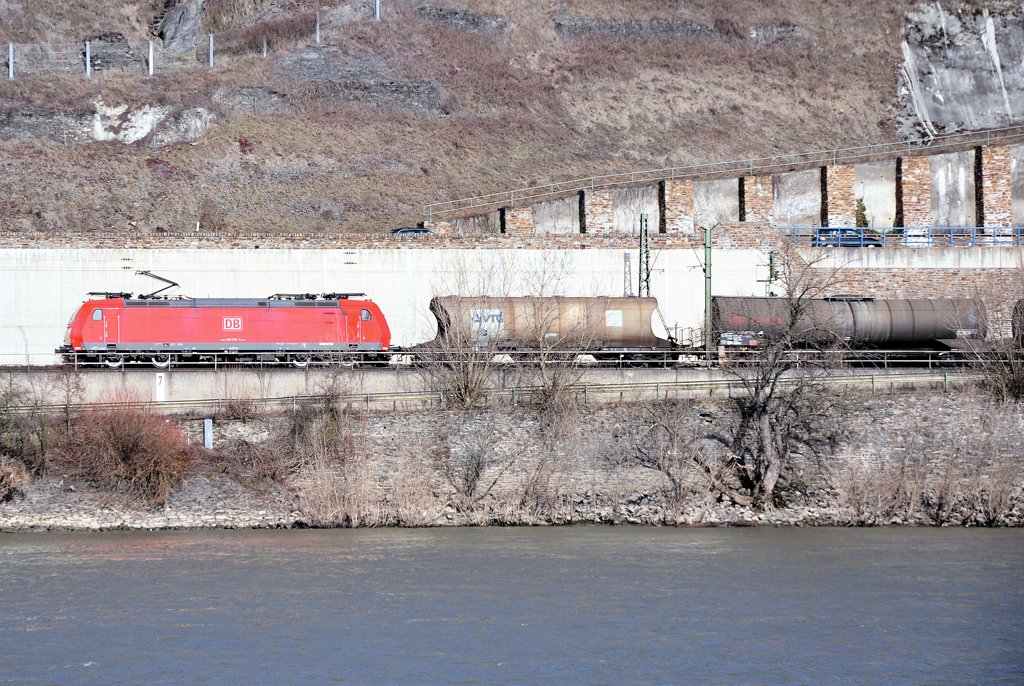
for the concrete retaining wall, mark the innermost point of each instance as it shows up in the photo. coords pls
(875, 184)
(953, 199)
(42, 288)
(796, 198)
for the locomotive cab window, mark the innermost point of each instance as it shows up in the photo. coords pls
(97, 315)
(365, 315)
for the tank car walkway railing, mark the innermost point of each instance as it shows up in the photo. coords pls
(904, 237)
(732, 168)
(585, 393)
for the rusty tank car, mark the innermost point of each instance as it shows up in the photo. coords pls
(613, 325)
(934, 323)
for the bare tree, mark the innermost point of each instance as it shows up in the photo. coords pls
(783, 406)
(467, 458)
(556, 329)
(462, 359)
(667, 441)
(1000, 356)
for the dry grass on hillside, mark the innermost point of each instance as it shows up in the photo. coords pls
(359, 132)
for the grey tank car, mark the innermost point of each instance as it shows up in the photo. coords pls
(935, 323)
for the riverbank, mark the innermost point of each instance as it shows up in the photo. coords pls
(922, 458)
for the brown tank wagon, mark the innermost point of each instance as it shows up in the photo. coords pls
(933, 322)
(593, 324)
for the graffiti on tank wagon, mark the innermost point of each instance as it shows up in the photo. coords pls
(486, 323)
(487, 319)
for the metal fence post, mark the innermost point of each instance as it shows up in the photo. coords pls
(318, 27)
(264, 46)
(150, 58)
(88, 60)
(10, 61)
(376, 10)
(211, 51)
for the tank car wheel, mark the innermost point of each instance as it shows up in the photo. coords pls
(113, 361)
(161, 361)
(634, 361)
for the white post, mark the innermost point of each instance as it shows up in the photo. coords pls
(150, 58)
(264, 46)
(318, 27)
(10, 61)
(88, 60)
(376, 10)
(211, 51)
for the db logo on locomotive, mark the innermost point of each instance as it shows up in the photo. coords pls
(232, 323)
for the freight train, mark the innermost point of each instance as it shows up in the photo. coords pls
(299, 329)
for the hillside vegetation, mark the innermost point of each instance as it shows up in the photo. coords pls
(436, 101)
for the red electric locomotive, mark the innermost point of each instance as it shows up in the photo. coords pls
(295, 328)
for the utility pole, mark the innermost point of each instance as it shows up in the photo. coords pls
(708, 343)
(627, 274)
(644, 291)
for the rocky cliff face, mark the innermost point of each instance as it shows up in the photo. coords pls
(180, 25)
(963, 68)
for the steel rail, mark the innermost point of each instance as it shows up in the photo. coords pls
(743, 167)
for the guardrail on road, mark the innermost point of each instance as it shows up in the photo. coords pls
(482, 204)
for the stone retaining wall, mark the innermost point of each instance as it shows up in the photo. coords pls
(944, 444)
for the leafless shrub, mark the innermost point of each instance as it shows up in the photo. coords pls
(463, 359)
(260, 460)
(1000, 357)
(242, 409)
(970, 473)
(467, 458)
(413, 501)
(333, 477)
(996, 484)
(347, 495)
(28, 432)
(667, 441)
(210, 216)
(321, 436)
(883, 491)
(14, 479)
(130, 449)
(995, 489)
(277, 33)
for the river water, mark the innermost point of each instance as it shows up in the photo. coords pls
(593, 605)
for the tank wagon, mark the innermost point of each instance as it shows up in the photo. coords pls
(934, 323)
(295, 328)
(607, 327)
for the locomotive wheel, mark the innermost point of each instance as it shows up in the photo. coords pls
(161, 361)
(113, 361)
(300, 361)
